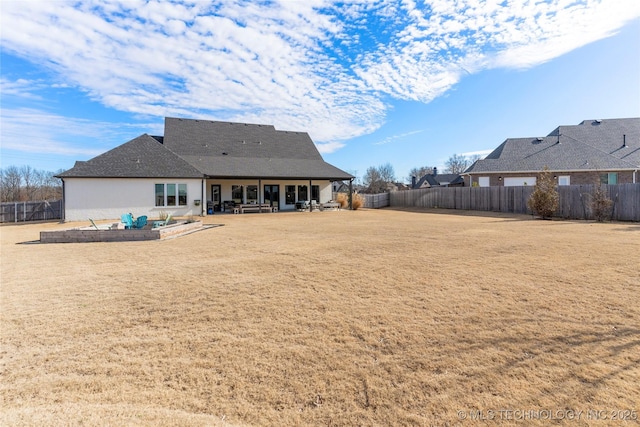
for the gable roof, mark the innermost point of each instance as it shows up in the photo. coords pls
(612, 144)
(439, 180)
(142, 157)
(204, 148)
(242, 150)
(206, 138)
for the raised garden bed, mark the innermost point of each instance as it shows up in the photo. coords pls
(90, 234)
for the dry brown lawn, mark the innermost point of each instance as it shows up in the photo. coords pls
(327, 318)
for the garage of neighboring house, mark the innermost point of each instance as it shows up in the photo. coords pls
(519, 181)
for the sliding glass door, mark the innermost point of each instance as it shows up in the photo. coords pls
(272, 195)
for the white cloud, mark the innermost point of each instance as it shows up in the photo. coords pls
(55, 134)
(394, 138)
(481, 153)
(21, 88)
(329, 147)
(314, 65)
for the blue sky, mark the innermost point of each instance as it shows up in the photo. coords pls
(408, 83)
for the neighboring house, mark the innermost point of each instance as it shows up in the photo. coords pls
(605, 151)
(341, 186)
(195, 168)
(438, 180)
(395, 186)
(400, 186)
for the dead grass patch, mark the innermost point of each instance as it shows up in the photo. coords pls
(340, 318)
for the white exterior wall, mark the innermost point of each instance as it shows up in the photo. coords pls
(326, 192)
(108, 198)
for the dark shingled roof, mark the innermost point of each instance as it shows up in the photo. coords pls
(197, 148)
(142, 157)
(612, 144)
(439, 180)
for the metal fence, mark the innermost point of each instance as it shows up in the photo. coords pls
(574, 200)
(30, 211)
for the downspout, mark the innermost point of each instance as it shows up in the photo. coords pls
(203, 202)
(634, 175)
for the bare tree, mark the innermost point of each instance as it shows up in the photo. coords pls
(387, 173)
(10, 184)
(376, 178)
(26, 183)
(457, 163)
(28, 179)
(52, 186)
(372, 180)
(474, 158)
(419, 172)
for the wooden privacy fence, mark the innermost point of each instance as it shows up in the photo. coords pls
(30, 211)
(376, 201)
(574, 200)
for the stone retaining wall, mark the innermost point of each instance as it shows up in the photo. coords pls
(90, 234)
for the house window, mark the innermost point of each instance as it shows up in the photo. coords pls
(564, 180)
(290, 194)
(610, 178)
(159, 194)
(252, 194)
(236, 193)
(483, 181)
(171, 194)
(303, 194)
(182, 194)
(315, 193)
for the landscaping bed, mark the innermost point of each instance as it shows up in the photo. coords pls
(91, 234)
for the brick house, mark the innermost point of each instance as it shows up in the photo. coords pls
(605, 151)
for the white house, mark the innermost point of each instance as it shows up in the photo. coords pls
(197, 168)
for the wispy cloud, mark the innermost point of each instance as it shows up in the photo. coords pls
(316, 66)
(21, 88)
(481, 153)
(395, 138)
(61, 135)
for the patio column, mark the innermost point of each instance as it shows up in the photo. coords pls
(63, 208)
(260, 198)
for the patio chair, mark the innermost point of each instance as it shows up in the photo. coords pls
(127, 220)
(162, 223)
(302, 205)
(141, 221)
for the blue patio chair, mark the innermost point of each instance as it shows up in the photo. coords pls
(127, 220)
(140, 222)
(162, 223)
